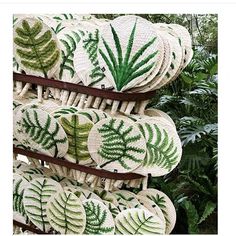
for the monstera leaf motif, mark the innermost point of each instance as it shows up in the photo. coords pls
(19, 185)
(36, 47)
(36, 196)
(138, 221)
(99, 220)
(163, 148)
(77, 134)
(66, 213)
(116, 145)
(130, 63)
(45, 131)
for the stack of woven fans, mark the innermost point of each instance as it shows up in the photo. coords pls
(128, 55)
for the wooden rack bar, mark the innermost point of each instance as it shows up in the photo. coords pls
(28, 227)
(86, 169)
(103, 93)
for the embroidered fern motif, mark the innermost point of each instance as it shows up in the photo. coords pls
(42, 134)
(36, 53)
(64, 111)
(78, 136)
(70, 42)
(161, 150)
(118, 144)
(124, 68)
(96, 219)
(90, 44)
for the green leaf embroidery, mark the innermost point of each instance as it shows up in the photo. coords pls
(112, 208)
(36, 53)
(78, 136)
(66, 213)
(36, 196)
(69, 42)
(58, 28)
(46, 135)
(90, 44)
(138, 221)
(97, 218)
(94, 115)
(161, 150)
(64, 111)
(62, 17)
(118, 144)
(125, 68)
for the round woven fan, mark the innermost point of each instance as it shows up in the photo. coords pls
(138, 221)
(99, 219)
(36, 195)
(163, 201)
(39, 130)
(116, 145)
(66, 213)
(163, 147)
(128, 51)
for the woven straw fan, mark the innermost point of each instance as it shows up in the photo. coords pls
(128, 52)
(138, 222)
(103, 223)
(164, 148)
(87, 67)
(65, 213)
(116, 145)
(36, 195)
(36, 50)
(163, 201)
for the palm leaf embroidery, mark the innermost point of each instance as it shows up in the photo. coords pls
(38, 53)
(103, 194)
(78, 136)
(161, 150)
(112, 208)
(125, 68)
(66, 213)
(97, 218)
(90, 44)
(63, 17)
(118, 144)
(138, 221)
(47, 135)
(36, 196)
(69, 43)
(93, 115)
(58, 28)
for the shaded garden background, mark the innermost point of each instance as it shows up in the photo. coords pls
(191, 101)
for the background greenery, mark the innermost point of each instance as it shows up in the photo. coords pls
(191, 101)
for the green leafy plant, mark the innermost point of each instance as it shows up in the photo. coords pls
(39, 53)
(66, 214)
(35, 199)
(125, 68)
(95, 219)
(90, 44)
(70, 42)
(78, 136)
(137, 222)
(43, 134)
(162, 151)
(118, 145)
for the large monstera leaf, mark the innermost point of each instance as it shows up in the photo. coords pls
(128, 51)
(116, 145)
(165, 204)
(19, 185)
(163, 147)
(77, 128)
(36, 196)
(66, 214)
(138, 221)
(99, 219)
(36, 47)
(43, 132)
